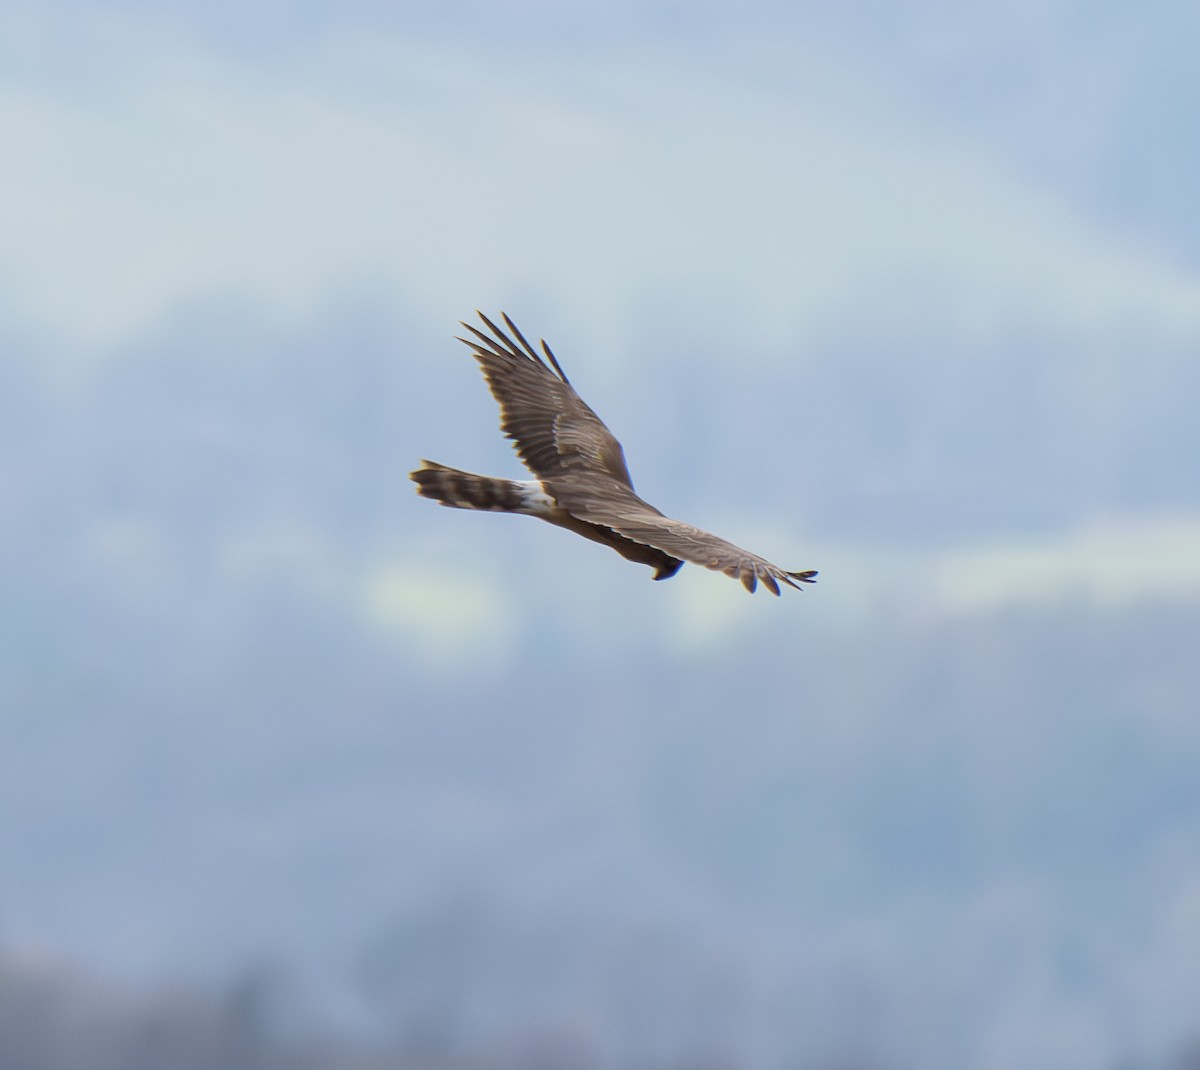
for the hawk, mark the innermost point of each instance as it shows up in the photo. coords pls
(582, 482)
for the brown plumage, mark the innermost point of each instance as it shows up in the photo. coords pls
(582, 482)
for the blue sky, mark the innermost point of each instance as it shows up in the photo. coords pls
(909, 295)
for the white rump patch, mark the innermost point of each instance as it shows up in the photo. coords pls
(534, 500)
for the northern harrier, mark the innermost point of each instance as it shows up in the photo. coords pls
(582, 483)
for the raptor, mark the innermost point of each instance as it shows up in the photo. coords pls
(581, 481)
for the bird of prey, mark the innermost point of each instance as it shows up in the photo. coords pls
(581, 481)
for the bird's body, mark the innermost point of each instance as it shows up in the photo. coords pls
(582, 482)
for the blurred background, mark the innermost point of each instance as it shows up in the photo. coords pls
(297, 770)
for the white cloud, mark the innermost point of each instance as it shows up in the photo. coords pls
(444, 615)
(462, 176)
(1107, 565)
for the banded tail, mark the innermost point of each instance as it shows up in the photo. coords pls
(466, 490)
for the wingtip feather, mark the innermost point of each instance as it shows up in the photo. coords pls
(557, 367)
(529, 350)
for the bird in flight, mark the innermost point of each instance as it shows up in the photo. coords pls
(582, 483)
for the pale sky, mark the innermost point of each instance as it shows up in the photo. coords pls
(750, 185)
(769, 178)
(235, 243)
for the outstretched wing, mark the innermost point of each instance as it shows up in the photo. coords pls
(613, 506)
(554, 431)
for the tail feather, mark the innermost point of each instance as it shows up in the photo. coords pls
(466, 490)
